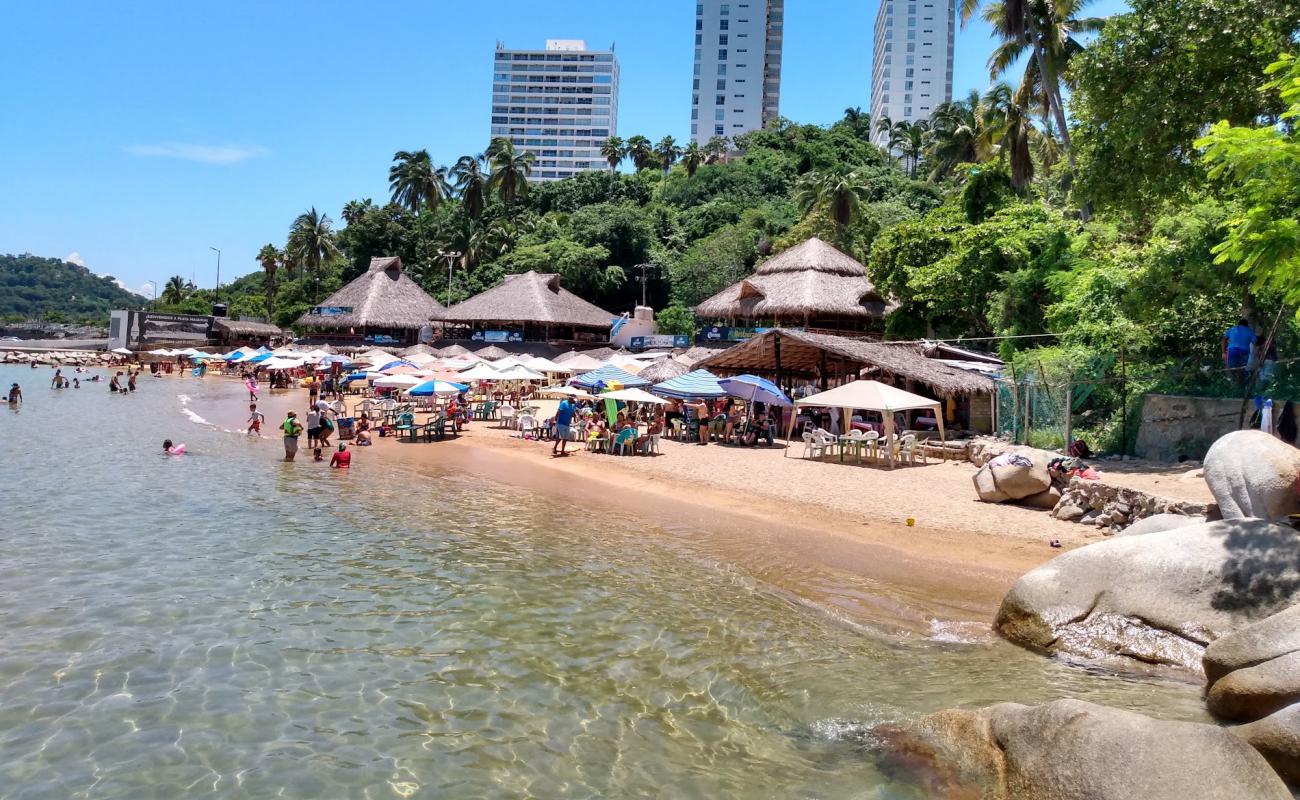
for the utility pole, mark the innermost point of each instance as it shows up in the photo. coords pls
(645, 276)
(217, 293)
(451, 259)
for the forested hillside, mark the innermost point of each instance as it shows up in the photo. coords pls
(32, 287)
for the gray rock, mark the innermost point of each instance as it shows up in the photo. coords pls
(1073, 750)
(1068, 512)
(1277, 738)
(1255, 671)
(1045, 499)
(1158, 598)
(1252, 474)
(1160, 522)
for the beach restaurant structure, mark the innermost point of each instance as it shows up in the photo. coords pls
(810, 286)
(792, 358)
(383, 306)
(234, 333)
(527, 307)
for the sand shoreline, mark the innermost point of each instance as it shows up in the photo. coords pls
(778, 517)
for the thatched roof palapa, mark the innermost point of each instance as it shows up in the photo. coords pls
(384, 297)
(491, 352)
(529, 297)
(812, 279)
(420, 349)
(239, 327)
(803, 354)
(664, 369)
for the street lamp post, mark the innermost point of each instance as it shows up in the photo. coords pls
(217, 293)
(451, 259)
(154, 284)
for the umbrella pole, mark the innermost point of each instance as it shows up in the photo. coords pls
(789, 431)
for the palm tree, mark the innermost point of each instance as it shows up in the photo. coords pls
(668, 151)
(471, 184)
(415, 183)
(269, 257)
(909, 139)
(1007, 128)
(311, 241)
(640, 151)
(955, 135)
(841, 192)
(354, 210)
(715, 149)
(1044, 28)
(692, 158)
(858, 121)
(175, 290)
(614, 152)
(510, 171)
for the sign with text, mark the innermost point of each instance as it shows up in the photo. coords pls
(661, 340)
(330, 311)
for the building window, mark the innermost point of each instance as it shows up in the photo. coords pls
(720, 100)
(718, 130)
(722, 84)
(724, 24)
(722, 38)
(699, 24)
(720, 114)
(722, 55)
(724, 9)
(722, 69)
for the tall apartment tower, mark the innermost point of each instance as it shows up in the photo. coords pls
(737, 66)
(911, 62)
(560, 104)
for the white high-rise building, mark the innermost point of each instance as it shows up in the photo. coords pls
(737, 66)
(560, 104)
(911, 63)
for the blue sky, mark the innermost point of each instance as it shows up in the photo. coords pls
(138, 135)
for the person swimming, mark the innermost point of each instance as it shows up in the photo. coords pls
(173, 450)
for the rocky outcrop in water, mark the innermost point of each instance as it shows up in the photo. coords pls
(1158, 598)
(65, 358)
(1252, 474)
(1255, 671)
(1277, 738)
(1073, 750)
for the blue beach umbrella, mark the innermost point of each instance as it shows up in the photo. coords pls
(401, 362)
(341, 360)
(698, 383)
(259, 359)
(755, 390)
(439, 388)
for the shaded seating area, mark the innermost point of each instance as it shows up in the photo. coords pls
(891, 446)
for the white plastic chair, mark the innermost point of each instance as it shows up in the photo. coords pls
(527, 424)
(814, 446)
(909, 450)
(506, 416)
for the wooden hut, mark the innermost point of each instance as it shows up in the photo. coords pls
(382, 306)
(530, 306)
(664, 369)
(793, 358)
(811, 285)
(233, 333)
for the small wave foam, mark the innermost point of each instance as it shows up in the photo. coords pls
(958, 632)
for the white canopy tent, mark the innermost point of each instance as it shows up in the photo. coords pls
(478, 372)
(548, 366)
(276, 362)
(870, 396)
(519, 373)
(583, 363)
(397, 381)
(633, 396)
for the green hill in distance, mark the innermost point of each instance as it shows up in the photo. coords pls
(32, 287)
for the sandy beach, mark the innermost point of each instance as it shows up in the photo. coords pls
(774, 514)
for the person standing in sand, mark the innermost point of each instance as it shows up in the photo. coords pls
(701, 409)
(292, 430)
(563, 426)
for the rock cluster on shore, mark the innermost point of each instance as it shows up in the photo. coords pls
(63, 358)
(1175, 590)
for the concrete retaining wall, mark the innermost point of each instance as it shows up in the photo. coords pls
(1178, 426)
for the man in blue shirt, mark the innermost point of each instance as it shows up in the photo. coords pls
(563, 419)
(1237, 344)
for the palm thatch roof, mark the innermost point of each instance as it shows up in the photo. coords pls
(420, 349)
(491, 352)
(384, 297)
(664, 369)
(693, 355)
(529, 297)
(806, 355)
(453, 350)
(239, 327)
(812, 279)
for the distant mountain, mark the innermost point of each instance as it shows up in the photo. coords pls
(49, 288)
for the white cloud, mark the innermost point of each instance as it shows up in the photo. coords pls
(202, 153)
(74, 258)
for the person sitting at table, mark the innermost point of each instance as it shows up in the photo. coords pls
(655, 428)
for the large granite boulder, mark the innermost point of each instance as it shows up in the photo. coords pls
(1252, 474)
(1255, 671)
(1073, 750)
(1277, 738)
(1014, 475)
(1158, 598)
(1160, 522)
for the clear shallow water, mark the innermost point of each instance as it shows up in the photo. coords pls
(224, 625)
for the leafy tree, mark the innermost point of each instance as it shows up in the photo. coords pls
(1009, 129)
(614, 152)
(640, 151)
(692, 157)
(582, 269)
(841, 193)
(269, 257)
(956, 136)
(715, 149)
(311, 242)
(1261, 165)
(32, 287)
(713, 263)
(176, 290)
(909, 139)
(667, 151)
(415, 183)
(1156, 78)
(676, 320)
(623, 230)
(354, 210)
(510, 171)
(471, 185)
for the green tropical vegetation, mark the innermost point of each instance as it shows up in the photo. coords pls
(54, 290)
(1122, 191)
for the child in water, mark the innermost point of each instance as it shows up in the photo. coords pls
(317, 455)
(173, 450)
(255, 419)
